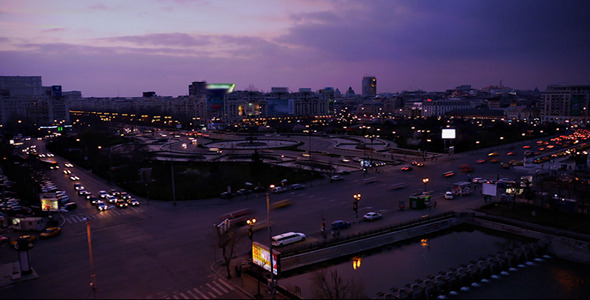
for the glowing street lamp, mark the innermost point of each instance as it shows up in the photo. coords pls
(251, 223)
(425, 180)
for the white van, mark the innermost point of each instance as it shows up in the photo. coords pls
(287, 238)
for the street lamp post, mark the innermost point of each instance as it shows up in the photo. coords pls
(355, 205)
(251, 223)
(272, 275)
(425, 180)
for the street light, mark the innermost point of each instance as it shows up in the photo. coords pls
(251, 223)
(425, 180)
(355, 204)
(272, 274)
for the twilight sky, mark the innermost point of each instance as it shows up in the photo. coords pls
(126, 47)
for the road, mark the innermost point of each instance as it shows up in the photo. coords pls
(161, 250)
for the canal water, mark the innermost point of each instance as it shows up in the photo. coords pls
(395, 266)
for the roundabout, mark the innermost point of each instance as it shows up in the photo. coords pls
(252, 144)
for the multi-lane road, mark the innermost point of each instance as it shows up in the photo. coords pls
(160, 250)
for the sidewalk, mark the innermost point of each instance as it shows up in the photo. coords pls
(246, 283)
(10, 273)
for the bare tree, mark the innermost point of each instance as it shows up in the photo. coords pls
(328, 284)
(227, 242)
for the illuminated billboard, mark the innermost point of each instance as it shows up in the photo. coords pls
(448, 133)
(281, 107)
(216, 95)
(49, 202)
(261, 257)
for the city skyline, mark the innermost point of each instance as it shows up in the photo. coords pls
(109, 49)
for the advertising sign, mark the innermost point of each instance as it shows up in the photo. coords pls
(49, 202)
(448, 133)
(489, 189)
(261, 257)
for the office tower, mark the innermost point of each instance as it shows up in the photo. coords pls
(369, 86)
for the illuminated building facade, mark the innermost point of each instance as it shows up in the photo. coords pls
(24, 98)
(369, 86)
(566, 104)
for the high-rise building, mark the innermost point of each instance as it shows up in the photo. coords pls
(369, 86)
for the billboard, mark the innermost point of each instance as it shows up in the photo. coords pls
(216, 95)
(448, 133)
(281, 107)
(261, 257)
(489, 189)
(49, 202)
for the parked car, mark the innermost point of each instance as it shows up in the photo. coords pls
(69, 206)
(279, 189)
(372, 216)
(297, 186)
(336, 178)
(50, 232)
(448, 173)
(449, 195)
(479, 180)
(340, 224)
(243, 192)
(93, 199)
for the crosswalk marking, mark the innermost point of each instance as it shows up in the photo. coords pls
(193, 296)
(183, 295)
(227, 285)
(199, 292)
(219, 286)
(214, 289)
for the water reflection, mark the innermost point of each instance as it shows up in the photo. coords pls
(395, 266)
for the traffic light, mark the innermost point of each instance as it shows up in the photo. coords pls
(355, 206)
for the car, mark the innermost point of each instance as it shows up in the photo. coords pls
(340, 224)
(102, 194)
(74, 177)
(420, 164)
(111, 199)
(67, 172)
(68, 165)
(3, 239)
(114, 192)
(88, 195)
(28, 237)
(50, 232)
(510, 153)
(494, 160)
(479, 180)
(449, 195)
(226, 195)
(83, 192)
(121, 203)
(493, 154)
(480, 161)
(372, 216)
(287, 238)
(336, 178)
(243, 192)
(124, 195)
(133, 202)
(279, 189)
(101, 206)
(93, 199)
(414, 163)
(69, 206)
(343, 172)
(297, 186)
(282, 203)
(397, 186)
(406, 168)
(448, 173)
(78, 186)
